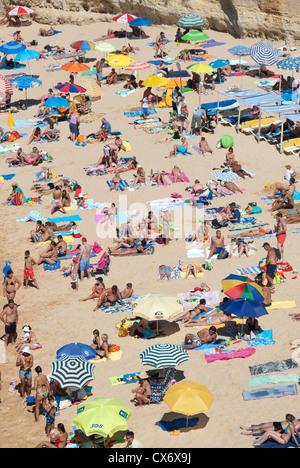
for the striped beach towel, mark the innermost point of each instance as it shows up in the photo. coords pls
(245, 271)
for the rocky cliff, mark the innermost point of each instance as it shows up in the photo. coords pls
(273, 19)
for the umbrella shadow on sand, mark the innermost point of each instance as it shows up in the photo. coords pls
(166, 328)
(174, 421)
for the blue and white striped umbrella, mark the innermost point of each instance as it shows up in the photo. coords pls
(164, 355)
(239, 50)
(191, 21)
(264, 53)
(72, 371)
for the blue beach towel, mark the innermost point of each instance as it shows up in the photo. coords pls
(63, 219)
(178, 423)
(8, 176)
(138, 113)
(274, 392)
(262, 339)
(123, 184)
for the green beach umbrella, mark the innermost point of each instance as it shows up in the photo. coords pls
(195, 36)
(102, 416)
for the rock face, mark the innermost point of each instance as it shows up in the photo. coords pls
(270, 19)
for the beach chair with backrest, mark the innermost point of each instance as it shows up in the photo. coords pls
(291, 146)
(251, 127)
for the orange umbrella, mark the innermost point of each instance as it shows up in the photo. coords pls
(173, 82)
(75, 67)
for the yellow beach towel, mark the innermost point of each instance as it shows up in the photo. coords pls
(112, 357)
(282, 305)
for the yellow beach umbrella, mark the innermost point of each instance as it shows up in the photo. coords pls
(93, 91)
(119, 60)
(200, 68)
(157, 307)
(173, 82)
(156, 81)
(188, 398)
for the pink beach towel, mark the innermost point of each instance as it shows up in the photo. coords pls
(240, 353)
(186, 179)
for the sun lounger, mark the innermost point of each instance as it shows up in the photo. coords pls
(291, 146)
(251, 127)
(221, 106)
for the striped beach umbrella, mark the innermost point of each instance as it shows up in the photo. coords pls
(93, 91)
(164, 355)
(237, 286)
(138, 66)
(102, 416)
(190, 21)
(105, 47)
(19, 11)
(5, 86)
(72, 371)
(83, 45)
(125, 19)
(264, 53)
(12, 48)
(70, 88)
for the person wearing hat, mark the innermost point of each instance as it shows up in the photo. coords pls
(28, 339)
(75, 272)
(16, 197)
(25, 362)
(289, 172)
(97, 290)
(143, 391)
(84, 258)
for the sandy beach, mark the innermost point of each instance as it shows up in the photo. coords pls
(54, 311)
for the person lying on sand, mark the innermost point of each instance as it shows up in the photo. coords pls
(277, 426)
(211, 318)
(191, 314)
(255, 232)
(202, 337)
(290, 432)
(140, 249)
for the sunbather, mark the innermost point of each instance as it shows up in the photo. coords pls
(140, 249)
(202, 337)
(277, 426)
(112, 77)
(115, 182)
(109, 297)
(49, 255)
(190, 315)
(36, 135)
(212, 318)
(177, 174)
(255, 232)
(280, 437)
(286, 201)
(179, 149)
(44, 32)
(97, 290)
(143, 392)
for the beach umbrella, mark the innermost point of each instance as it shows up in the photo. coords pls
(125, 18)
(237, 286)
(70, 88)
(173, 82)
(19, 11)
(102, 416)
(289, 64)
(188, 398)
(227, 141)
(5, 86)
(195, 36)
(244, 308)
(75, 67)
(83, 45)
(140, 22)
(200, 68)
(155, 81)
(164, 355)
(76, 349)
(105, 47)
(219, 63)
(138, 66)
(26, 55)
(239, 50)
(93, 91)
(264, 53)
(119, 60)
(72, 371)
(25, 82)
(189, 21)
(157, 307)
(56, 102)
(12, 48)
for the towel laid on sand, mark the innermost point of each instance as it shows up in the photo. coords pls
(273, 379)
(238, 354)
(273, 392)
(177, 423)
(262, 339)
(276, 366)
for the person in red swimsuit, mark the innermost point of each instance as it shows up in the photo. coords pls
(58, 441)
(280, 229)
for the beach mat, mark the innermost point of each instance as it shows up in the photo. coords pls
(273, 379)
(273, 392)
(63, 219)
(238, 354)
(276, 366)
(178, 423)
(282, 305)
(262, 339)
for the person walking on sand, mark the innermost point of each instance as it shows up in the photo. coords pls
(41, 386)
(280, 228)
(28, 270)
(84, 258)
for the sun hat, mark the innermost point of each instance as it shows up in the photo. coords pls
(26, 350)
(26, 328)
(84, 239)
(143, 375)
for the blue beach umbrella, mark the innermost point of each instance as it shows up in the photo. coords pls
(140, 22)
(76, 349)
(244, 308)
(239, 50)
(25, 82)
(219, 63)
(12, 48)
(289, 64)
(189, 21)
(56, 102)
(27, 55)
(264, 53)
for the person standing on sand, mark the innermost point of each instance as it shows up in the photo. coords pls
(280, 228)
(25, 362)
(84, 258)
(99, 71)
(57, 200)
(41, 386)
(28, 270)
(9, 317)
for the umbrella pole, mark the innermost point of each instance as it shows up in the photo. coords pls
(239, 120)
(26, 96)
(281, 137)
(259, 124)
(187, 421)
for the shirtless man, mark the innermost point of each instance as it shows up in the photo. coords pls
(286, 201)
(280, 228)
(57, 200)
(50, 255)
(271, 266)
(9, 317)
(65, 198)
(202, 337)
(99, 71)
(109, 297)
(61, 246)
(217, 244)
(84, 258)
(28, 270)
(126, 242)
(237, 168)
(159, 45)
(128, 291)
(97, 290)
(111, 152)
(25, 362)
(42, 232)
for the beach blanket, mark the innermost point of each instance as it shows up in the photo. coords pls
(224, 356)
(124, 92)
(190, 299)
(219, 344)
(91, 117)
(137, 113)
(252, 270)
(242, 226)
(273, 392)
(63, 219)
(122, 186)
(178, 423)
(211, 43)
(282, 305)
(273, 379)
(27, 123)
(276, 366)
(263, 338)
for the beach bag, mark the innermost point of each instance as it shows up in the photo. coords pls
(209, 264)
(97, 248)
(16, 134)
(223, 254)
(122, 331)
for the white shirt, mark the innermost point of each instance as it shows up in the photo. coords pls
(135, 444)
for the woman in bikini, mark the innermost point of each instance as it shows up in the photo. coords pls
(140, 176)
(213, 318)
(282, 436)
(177, 174)
(140, 249)
(41, 386)
(11, 285)
(58, 441)
(101, 348)
(143, 392)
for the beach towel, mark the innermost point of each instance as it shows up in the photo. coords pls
(8, 176)
(228, 175)
(211, 43)
(251, 270)
(219, 344)
(195, 253)
(273, 379)
(122, 186)
(166, 203)
(124, 92)
(273, 392)
(277, 366)
(238, 354)
(243, 226)
(190, 299)
(178, 423)
(139, 112)
(263, 338)
(91, 117)
(112, 357)
(64, 219)
(282, 305)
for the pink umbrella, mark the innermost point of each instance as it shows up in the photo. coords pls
(5, 86)
(137, 66)
(19, 11)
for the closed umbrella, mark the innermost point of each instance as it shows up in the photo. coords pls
(164, 355)
(5, 86)
(102, 416)
(25, 82)
(19, 11)
(77, 349)
(195, 36)
(26, 55)
(72, 371)
(188, 398)
(189, 21)
(237, 286)
(75, 67)
(12, 48)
